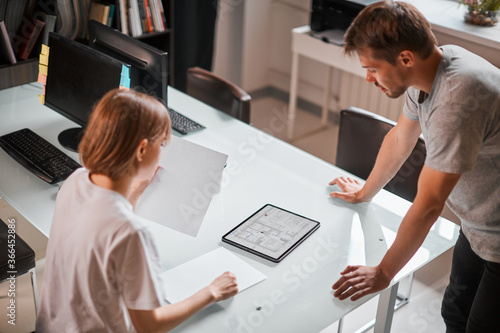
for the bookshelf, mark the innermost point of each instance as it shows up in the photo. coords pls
(25, 71)
(164, 40)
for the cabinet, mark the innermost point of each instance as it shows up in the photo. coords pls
(27, 71)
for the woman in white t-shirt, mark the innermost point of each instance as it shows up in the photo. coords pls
(102, 271)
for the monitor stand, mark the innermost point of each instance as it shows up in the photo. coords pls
(70, 138)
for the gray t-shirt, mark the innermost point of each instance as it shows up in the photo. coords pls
(460, 121)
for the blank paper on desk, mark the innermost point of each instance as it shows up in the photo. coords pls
(182, 189)
(188, 278)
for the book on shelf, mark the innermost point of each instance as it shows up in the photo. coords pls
(122, 23)
(112, 9)
(102, 12)
(27, 36)
(134, 18)
(50, 25)
(142, 14)
(147, 8)
(137, 17)
(7, 55)
(14, 14)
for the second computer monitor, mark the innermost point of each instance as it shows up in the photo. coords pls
(149, 65)
(78, 76)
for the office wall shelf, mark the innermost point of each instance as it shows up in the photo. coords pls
(27, 71)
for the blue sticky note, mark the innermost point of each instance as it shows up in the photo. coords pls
(125, 82)
(125, 77)
(125, 71)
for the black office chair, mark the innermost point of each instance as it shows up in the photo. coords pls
(218, 93)
(360, 136)
(23, 255)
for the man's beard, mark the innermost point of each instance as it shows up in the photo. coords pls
(393, 93)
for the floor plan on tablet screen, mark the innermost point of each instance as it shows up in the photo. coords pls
(271, 231)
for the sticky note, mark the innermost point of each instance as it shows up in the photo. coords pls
(125, 71)
(125, 77)
(125, 82)
(44, 59)
(42, 69)
(42, 78)
(123, 88)
(42, 99)
(45, 50)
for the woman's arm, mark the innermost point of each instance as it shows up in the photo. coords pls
(167, 317)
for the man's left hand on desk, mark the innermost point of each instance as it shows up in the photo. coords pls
(351, 190)
(360, 281)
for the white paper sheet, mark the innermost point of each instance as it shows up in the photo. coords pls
(188, 278)
(181, 191)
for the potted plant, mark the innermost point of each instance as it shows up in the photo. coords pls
(481, 12)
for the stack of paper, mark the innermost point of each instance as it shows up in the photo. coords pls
(186, 279)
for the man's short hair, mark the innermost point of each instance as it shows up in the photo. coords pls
(387, 28)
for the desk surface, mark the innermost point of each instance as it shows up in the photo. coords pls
(297, 295)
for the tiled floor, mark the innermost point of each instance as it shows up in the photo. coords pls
(422, 314)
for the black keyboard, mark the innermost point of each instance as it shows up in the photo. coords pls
(183, 124)
(38, 155)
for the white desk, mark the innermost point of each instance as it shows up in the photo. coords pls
(329, 54)
(297, 295)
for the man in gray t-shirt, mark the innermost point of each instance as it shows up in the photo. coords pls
(453, 99)
(460, 122)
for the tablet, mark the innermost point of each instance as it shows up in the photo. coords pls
(271, 232)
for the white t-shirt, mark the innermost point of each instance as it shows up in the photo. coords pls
(101, 260)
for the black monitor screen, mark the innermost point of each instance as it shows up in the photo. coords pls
(149, 65)
(77, 78)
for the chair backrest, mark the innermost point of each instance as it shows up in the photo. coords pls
(24, 255)
(360, 136)
(218, 93)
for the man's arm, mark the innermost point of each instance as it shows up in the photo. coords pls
(396, 147)
(434, 187)
(167, 317)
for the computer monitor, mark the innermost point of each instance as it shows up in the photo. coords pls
(78, 76)
(149, 65)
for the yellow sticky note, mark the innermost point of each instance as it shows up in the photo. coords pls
(42, 69)
(42, 78)
(44, 59)
(42, 99)
(45, 50)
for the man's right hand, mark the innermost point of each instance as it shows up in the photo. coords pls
(224, 286)
(351, 190)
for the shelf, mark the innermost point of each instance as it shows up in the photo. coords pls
(23, 72)
(153, 34)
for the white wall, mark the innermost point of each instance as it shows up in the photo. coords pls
(253, 46)
(242, 42)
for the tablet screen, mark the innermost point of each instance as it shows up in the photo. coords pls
(271, 232)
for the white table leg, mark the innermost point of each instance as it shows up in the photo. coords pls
(385, 309)
(292, 104)
(326, 99)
